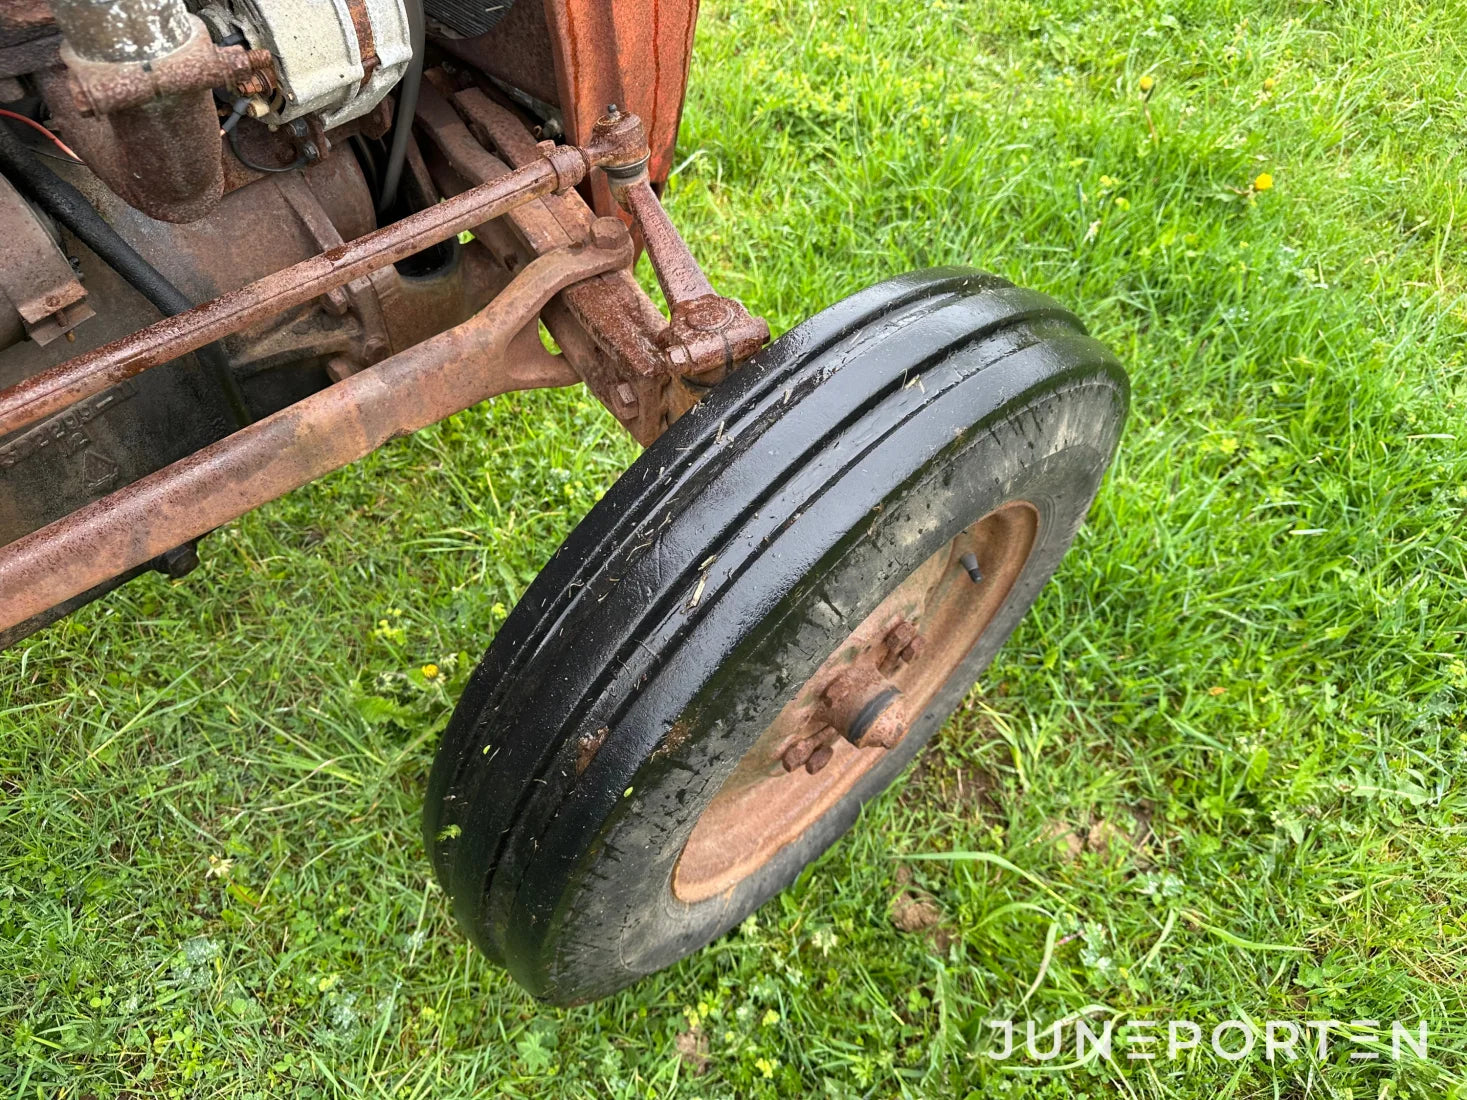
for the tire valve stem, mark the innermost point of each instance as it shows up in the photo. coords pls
(970, 563)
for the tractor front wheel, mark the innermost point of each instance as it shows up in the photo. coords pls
(762, 622)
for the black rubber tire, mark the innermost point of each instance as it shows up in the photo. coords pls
(711, 582)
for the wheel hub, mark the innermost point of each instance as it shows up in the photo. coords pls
(859, 705)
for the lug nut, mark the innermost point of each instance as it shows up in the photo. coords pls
(903, 644)
(607, 232)
(837, 690)
(819, 758)
(797, 754)
(901, 634)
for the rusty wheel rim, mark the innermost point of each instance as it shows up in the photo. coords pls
(858, 706)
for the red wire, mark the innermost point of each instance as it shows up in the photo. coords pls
(34, 125)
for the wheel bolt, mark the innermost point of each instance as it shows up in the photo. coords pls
(837, 690)
(819, 758)
(900, 636)
(903, 644)
(798, 753)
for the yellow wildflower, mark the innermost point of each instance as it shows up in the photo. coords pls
(1148, 82)
(430, 671)
(1262, 182)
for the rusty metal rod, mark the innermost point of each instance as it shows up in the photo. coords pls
(677, 271)
(328, 430)
(54, 390)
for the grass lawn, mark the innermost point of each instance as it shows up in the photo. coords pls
(1217, 774)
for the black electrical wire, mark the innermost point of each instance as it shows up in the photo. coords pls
(69, 207)
(62, 157)
(237, 110)
(367, 161)
(407, 107)
(299, 162)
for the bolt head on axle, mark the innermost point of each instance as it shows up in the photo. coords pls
(608, 233)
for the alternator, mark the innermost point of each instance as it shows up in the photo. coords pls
(337, 58)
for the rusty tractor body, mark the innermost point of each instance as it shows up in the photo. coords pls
(339, 328)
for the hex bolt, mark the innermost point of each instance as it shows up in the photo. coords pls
(626, 395)
(797, 754)
(178, 562)
(607, 232)
(680, 358)
(818, 759)
(900, 635)
(969, 561)
(837, 690)
(903, 643)
(827, 736)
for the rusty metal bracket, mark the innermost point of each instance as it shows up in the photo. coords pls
(628, 354)
(607, 327)
(558, 168)
(104, 87)
(707, 333)
(36, 281)
(493, 352)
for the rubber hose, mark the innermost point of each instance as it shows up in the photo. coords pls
(407, 107)
(69, 207)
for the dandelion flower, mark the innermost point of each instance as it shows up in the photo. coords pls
(1148, 82)
(1268, 84)
(219, 867)
(430, 671)
(1262, 182)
